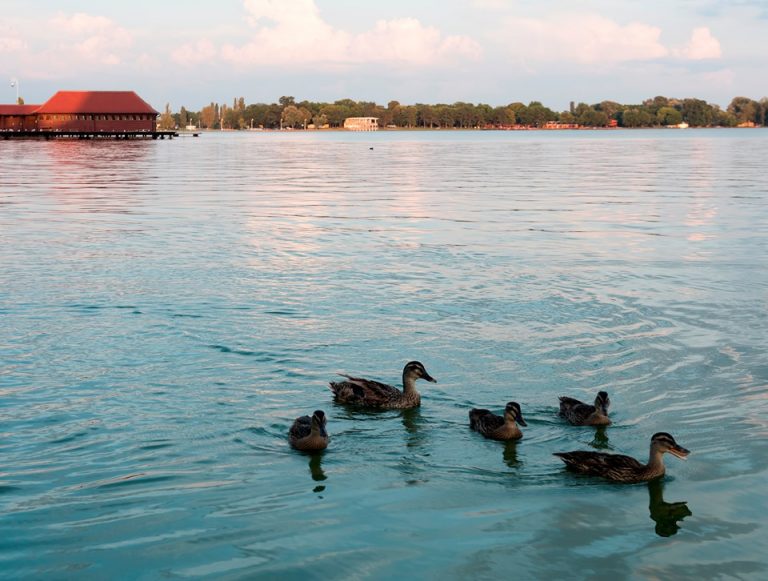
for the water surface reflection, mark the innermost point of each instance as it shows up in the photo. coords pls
(666, 515)
(600, 441)
(510, 454)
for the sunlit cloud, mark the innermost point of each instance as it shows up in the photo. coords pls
(406, 40)
(92, 38)
(11, 44)
(191, 54)
(584, 39)
(294, 32)
(701, 46)
(10, 41)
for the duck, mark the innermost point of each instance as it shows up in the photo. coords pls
(582, 414)
(372, 394)
(308, 433)
(496, 427)
(620, 468)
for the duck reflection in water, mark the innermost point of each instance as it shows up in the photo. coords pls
(412, 421)
(600, 441)
(665, 514)
(316, 470)
(510, 454)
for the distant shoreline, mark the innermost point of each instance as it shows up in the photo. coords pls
(453, 129)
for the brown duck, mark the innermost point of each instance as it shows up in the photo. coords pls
(582, 414)
(309, 434)
(372, 394)
(620, 468)
(498, 427)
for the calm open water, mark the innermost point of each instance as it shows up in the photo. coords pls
(168, 308)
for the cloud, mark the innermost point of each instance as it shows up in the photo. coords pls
(191, 54)
(701, 46)
(406, 40)
(293, 32)
(497, 5)
(11, 44)
(94, 39)
(584, 39)
(10, 41)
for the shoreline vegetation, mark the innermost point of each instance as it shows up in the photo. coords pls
(289, 114)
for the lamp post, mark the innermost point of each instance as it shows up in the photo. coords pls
(15, 83)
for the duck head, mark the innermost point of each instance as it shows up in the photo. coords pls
(512, 410)
(602, 401)
(318, 422)
(415, 370)
(664, 442)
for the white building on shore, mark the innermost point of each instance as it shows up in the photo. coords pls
(361, 123)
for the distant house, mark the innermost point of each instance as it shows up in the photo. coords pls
(83, 111)
(361, 123)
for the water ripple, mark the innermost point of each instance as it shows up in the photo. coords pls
(168, 309)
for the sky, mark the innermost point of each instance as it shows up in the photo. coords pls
(190, 53)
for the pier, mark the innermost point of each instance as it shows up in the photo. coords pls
(72, 134)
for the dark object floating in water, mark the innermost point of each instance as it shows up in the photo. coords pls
(620, 468)
(582, 414)
(369, 393)
(498, 427)
(308, 433)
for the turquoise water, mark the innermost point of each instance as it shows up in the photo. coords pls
(168, 308)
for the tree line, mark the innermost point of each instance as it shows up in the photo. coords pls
(288, 113)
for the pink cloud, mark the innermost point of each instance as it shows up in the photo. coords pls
(294, 32)
(701, 46)
(585, 39)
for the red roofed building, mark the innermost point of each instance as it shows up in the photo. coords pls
(18, 117)
(83, 111)
(95, 111)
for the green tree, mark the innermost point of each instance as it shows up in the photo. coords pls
(537, 114)
(636, 117)
(610, 108)
(504, 116)
(724, 119)
(320, 121)
(520, 110)
(653, 105)
(697, 113)
(409, 115)
(166, 119)
(668, 116)
(208, 116)
(592, 118)
(745, 110)
(293, 116)
(335, 114)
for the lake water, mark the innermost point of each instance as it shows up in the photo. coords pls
(168, 308)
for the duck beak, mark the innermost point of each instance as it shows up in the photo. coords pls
(428, 377)
(519, 419)
(679, 452)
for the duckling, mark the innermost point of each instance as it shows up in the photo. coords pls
(583, 414)
(369, 393)
(309, 434)
(497, 427)
(620, 468)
